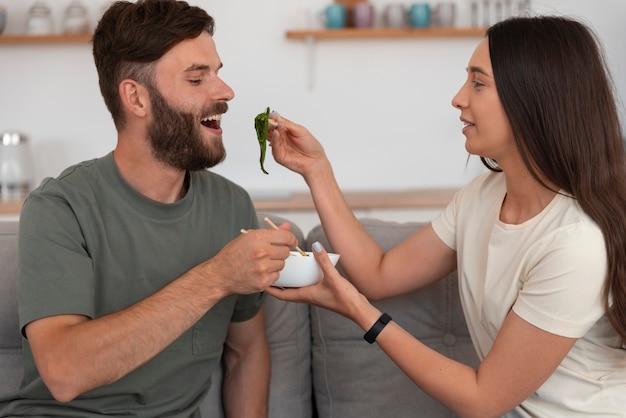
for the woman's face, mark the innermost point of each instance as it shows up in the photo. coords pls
(485, 125)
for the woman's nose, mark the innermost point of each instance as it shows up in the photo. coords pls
(459, 100)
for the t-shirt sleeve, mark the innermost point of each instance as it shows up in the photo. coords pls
(562, 294)
(248, 306)
(444, 224)
(55, 270)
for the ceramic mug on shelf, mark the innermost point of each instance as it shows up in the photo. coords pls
(3, 18)
(395, 15)
(444, 15)
(334, 16)
(419, 15)
(363, 15)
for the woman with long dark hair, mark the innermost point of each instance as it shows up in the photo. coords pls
(539, 241)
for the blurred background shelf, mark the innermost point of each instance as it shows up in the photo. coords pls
(10, 206)
(363, 33)
(301, 201)
(44, 39)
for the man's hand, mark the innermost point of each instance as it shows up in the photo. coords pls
(250, 263)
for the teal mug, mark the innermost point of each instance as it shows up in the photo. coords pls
(334, 16)
(419, 15)
(3, 18)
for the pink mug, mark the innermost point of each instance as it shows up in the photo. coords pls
(363, 15)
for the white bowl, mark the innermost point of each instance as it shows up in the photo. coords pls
(302, 271)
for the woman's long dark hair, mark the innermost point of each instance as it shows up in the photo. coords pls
(556, 91)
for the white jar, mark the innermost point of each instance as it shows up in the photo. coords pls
(39, 19)
(76, 19)
(16, 166)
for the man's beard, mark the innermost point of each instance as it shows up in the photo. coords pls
(176, 138)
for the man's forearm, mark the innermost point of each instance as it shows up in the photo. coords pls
(75, 355)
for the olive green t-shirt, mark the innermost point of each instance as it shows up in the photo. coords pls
(91, 245)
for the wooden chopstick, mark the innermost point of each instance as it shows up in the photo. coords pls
(270, 223)
(245, 231)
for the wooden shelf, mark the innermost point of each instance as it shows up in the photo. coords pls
(371, 199)
(44, 39)
(362, 33)
(302, 201)
(10, 207)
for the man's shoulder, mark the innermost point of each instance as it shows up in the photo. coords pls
(76, 184)
(73, 176)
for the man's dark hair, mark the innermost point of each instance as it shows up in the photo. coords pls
(130, 37)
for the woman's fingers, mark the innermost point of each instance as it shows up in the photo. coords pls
(321, 256)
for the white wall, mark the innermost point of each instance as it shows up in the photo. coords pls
(381, 107)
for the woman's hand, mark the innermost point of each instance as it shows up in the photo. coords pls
(333, 292)
(294, 147)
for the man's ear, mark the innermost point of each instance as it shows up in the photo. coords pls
(135, 97)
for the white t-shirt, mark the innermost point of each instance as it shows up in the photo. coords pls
(551, 271)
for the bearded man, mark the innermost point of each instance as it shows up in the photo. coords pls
(135, 282)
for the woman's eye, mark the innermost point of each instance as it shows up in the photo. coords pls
(477, 83)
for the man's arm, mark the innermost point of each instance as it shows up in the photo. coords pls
(75, 354)
(246, 369)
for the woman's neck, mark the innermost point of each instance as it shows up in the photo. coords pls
(525, 197)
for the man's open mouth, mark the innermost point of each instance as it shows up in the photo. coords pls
(212, 121)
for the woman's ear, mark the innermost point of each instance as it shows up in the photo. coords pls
(135, 97)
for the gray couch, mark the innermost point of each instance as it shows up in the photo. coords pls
(321, 366)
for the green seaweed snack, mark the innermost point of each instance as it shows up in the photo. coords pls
(261, 125)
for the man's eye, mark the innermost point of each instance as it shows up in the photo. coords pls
(195, 82)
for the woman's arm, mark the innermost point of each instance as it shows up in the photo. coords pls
(422, 259)
(521, 359)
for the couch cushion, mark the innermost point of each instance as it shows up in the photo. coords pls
(289, 337)
(355, 379)
(10, 337)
